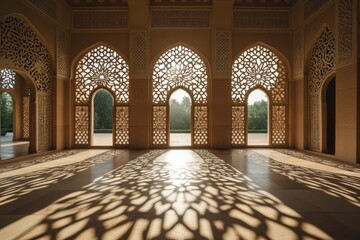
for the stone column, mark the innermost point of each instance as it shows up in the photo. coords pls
(139, 74)
(220, 105)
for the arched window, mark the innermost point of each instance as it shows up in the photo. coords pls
(179, 67)
(259, 67)
(101, 67)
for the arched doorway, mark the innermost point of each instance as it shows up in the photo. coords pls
(180, 118)
(179, 67)
(329, 117)
(318, 72)
(258, 118)
(15, 114)
(102, 115)
(101, 68)
(259, 68)
(24, 53)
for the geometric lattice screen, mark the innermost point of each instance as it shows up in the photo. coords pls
(259, 68)
(179, 67)
(320, 66)
(22, 49)
(103, 68)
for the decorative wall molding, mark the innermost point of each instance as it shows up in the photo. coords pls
(298, 53)
(312, 6)
(223, 52)
(100, 19)
(180, 2)
(63, 52)
(180, 18)
(138, 52)
(48, 7)
(345, 30)
(261, 19)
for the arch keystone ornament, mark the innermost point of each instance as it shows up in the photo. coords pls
(179, 67)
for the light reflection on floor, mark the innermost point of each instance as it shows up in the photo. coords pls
(180, 194)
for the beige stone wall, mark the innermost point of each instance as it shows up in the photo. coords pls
(68, 42)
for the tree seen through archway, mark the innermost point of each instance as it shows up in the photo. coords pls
(180, 118)
(258, 118)
(7, 109)
(103, 111)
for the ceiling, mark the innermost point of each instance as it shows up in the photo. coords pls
(238, 3)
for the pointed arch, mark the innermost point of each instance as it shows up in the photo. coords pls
(99, 66)
(24, 50)
(259, 67)
(180, 118)
(320, 65)
(179, 67)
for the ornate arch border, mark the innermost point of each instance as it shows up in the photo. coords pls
(199, 113)
(82, 112)
(278, 111)
(314, 95)
(39, 70)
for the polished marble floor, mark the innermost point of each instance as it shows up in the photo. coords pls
(179, 194)
(10, 149)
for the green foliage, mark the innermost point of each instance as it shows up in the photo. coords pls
(102, 130)
(103, 107)
(258, 115)
(7, 109)
(180, 115)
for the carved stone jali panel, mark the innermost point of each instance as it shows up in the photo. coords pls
(278, 119)
(82, 125)
(159, 125)
(102, 67)
(259, 68)
(200, 125)
(25, 117)
(22, 49)
(179, 67)
(122, 125)
(238, 125)
(320, 66)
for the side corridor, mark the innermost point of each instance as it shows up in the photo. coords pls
(179, 194)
